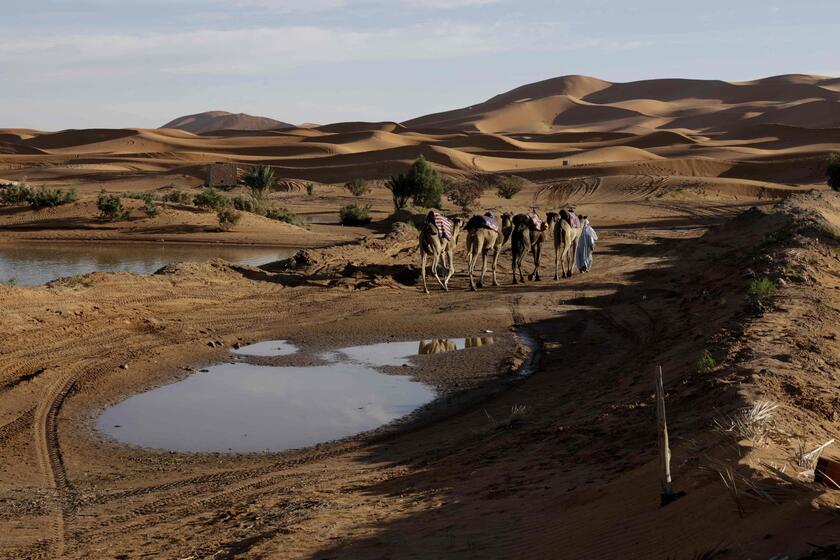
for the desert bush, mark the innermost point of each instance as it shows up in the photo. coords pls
(354, 215)
(247, 203)
(228, 217)
(705, 363)
(282, 215)
(357, 187)
(15, 195)
(177, 197)
(111, 207)
(149, 206)
(832, 171)
(134, 195)
(427, 185)
(464, 194)
(760, 292)
(43, 197)
(211, 199)
(401, 188)
(260, 179)
(508, 186)
(310, 188)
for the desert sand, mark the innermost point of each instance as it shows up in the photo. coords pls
(696, 190)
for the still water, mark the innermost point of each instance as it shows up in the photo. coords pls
(39, 263)
(243, 407)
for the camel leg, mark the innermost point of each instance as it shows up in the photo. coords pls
(496, 252)
(450, 268)
(535, 253)
(435, 263)
(471, 258)
(556, 261)
(423, 268)
(483, 268)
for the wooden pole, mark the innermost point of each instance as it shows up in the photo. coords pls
(664, 448)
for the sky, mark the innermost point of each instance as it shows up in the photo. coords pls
(140, 63)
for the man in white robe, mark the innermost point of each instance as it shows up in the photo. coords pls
(586, 244)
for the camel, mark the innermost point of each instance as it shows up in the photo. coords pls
(432, 245)
(480, 240)
(524, 237)
(565, 246)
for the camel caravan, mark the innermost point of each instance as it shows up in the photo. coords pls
(573, 236)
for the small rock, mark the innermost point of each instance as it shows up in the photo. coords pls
(211, 343)
(124, 366)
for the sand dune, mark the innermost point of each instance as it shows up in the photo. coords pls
(774, 131)
(212, 121)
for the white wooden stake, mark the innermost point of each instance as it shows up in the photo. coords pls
(664, 448)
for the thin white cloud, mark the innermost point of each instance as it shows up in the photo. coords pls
(254, 51)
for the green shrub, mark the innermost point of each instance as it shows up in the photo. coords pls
(43, 197)
(211, 199)
(310, 188)
(177, 197)
(427, 184)
(149, 206)
(354, 215)
(228, 218)
(357, 187)
(705, 363)
(111, 207)
(15, 195)
(282, 215)
(464, 194)
(401, 188)
(832, 171)
(260, 179)
(760, 292)
(509, 186)
(247, 203)
(134, 195)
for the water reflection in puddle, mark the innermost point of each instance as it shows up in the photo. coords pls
(246, 408)
(399, 353)
(35, 263)
(243, 407)
(269, 348)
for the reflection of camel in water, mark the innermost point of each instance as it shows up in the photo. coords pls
(440, 345)
(436, 346)
(478, 341)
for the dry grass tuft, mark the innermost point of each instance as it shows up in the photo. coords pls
(755, 423)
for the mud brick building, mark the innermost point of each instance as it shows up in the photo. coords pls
(221, 175)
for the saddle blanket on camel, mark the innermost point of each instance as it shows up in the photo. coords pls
(570, 218)
(444, 226)
(536, 222)
(485, 221)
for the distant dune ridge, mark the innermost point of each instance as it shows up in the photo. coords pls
(748, 137)
(585, 103)
(212, 121)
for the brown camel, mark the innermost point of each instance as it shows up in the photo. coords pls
(480, 241)
(565, 245)
(525, 237)
(441, 250)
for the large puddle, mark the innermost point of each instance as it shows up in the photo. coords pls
(38, 263)
(244, 407)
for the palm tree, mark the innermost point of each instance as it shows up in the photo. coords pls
(260, 179)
